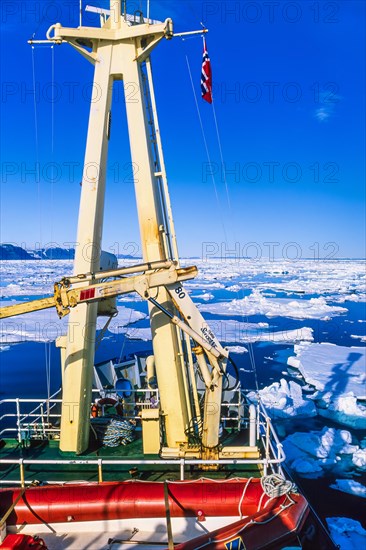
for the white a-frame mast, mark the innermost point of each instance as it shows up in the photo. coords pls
(120, 50)
(117, 51)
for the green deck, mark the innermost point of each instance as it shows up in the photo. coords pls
(49, 450)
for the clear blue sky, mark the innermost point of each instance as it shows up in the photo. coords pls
(289, 88)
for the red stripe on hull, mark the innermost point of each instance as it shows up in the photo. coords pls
(131, 499)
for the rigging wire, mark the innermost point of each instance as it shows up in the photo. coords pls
(38, 179)
(48, 362)
(250, 346)
(52, 136)
(205, 144)
(125, 338)
(221, 155)
(239, 293)
(48, 349)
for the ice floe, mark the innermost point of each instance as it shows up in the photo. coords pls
(284, 399)
(358, 337)
(257, 304)
(345, 409)
(236, 349)
(45, 326)
(330, 368)
(204, 296)
(313, 453)
(347, 533)
(229, 330)
(32, 277)
(359, 459)
(137, 333)
(234, 288)
(349, 486)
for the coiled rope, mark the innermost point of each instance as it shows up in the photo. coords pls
(275, 485)
(118, 432)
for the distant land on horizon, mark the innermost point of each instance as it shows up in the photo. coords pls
(13, 252)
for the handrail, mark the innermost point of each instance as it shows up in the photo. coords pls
(38, 413)
(273, 458)
(182, 462)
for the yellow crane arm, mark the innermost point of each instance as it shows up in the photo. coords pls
(27, 307)
(66, 296)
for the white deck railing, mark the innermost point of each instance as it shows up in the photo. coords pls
(37, 423)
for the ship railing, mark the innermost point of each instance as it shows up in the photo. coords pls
(38, 420)
(42, 421)
(267, 463)
(271, 444)
(270, 461)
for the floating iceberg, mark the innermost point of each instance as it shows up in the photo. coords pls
(349, 486)
(236, 349)
(313, 453)
(345, 409)
(358, 337)
(347, 533)
(204, 296)
(284, 400)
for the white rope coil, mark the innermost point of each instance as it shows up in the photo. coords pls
(275, 485)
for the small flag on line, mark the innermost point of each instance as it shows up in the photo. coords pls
(206, 76)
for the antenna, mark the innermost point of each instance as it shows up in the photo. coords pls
(80, 13)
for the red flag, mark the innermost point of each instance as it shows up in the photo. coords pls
(206, 76)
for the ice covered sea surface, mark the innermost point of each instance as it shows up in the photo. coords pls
(304, 315)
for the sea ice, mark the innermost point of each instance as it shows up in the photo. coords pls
(204, 296)
(234, 288)
(359, 459)
(345, 409)
(33, 277)
(358, 337)
(229, 330)
(329, 450)
(236, 349)
(283, 400)
(349, 486)
(45, 326)
(135, 333)
(347, 533)
(257, 304)
(304, 334)
(331, 368)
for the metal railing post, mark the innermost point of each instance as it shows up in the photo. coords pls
(22, 477)
(267, 442)
(100, 470)
(18, 418)
(182, 469)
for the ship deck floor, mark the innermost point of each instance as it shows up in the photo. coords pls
(75, 470)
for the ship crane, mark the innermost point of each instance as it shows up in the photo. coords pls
(143, 279)
(120, 50)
